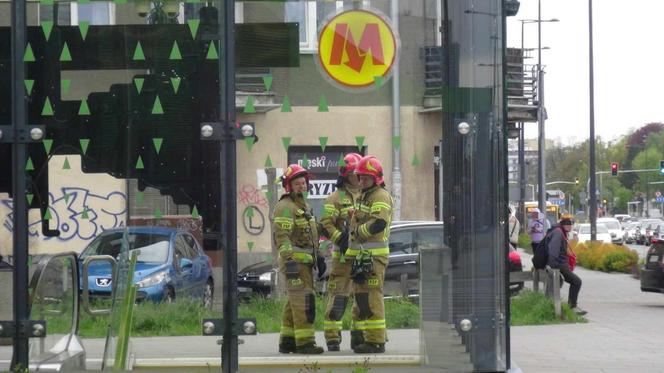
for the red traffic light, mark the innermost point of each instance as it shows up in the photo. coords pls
(614, 168)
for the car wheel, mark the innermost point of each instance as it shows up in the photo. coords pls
(208, 294)
(169, 295)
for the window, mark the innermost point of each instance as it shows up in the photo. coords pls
(401, 242)
(430, 238)
(311, 15)
(96, 13)
(191, 243)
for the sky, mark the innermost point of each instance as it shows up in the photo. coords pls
(628, 59)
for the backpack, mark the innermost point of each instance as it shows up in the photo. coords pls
(541, 253)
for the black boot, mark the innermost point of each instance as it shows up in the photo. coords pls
(356, 338)
(333, 346)
(287, 345)
(309, 349)
(370, 348)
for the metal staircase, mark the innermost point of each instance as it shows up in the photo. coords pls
(521, 83)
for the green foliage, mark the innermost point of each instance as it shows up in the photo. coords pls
(605, 257)
(524, 242)
(530, 308)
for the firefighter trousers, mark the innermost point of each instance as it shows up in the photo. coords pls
(369, 308)
(300, 309)
(339, 289)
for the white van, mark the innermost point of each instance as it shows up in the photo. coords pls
(615, 229)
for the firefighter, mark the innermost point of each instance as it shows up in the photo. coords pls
(370, 232)
(338, 209)
(296, 236)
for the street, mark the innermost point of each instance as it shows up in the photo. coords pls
(624, 325)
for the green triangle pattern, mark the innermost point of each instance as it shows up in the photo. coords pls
(250, 212)
(83, 1)
(286, 213)
(342, 162)
(84, 145)
(47, 214)
(305, 194)
(29, 56)
(396, 142)
(249, 106)
(46, 2)
(267, 82)
(192, 1)
(138, 53)
(84, 109)
(359, 140)
(48, 144)
(30, 197)
(85, 215)
(176, 84)
(47, 27)
(322, 104)
(83, 27)
(305, 161)
(139, 198)
(175, 52)
(268, 195)
(250, 245)
(212, 52)
(65, 84)
(157, 213)
(323, 142)
(194, 213)
(378, 81)
(416, 161)
(66, 165)
(139, 163)
(250, 142)
(29, 84)
(268, 162)
(193, 27)
(66, 198)
(156, 108)
(157, 141)
(138, 82)
(286, 105)
(65, 55)
(120, 1)
(47, 110)
(285, 141)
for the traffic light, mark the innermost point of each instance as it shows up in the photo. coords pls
(576, 180)
(614, 169)
(661, 167)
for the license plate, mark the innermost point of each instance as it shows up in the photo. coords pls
(653, 259)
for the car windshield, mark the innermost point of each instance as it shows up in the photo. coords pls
(611, 224)
(585, 229)
(153, 247)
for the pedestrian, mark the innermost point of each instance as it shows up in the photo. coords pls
(536, 228)
(295, 234)
(370, 233)
(558, 259)
(338, 209)
(514, 226)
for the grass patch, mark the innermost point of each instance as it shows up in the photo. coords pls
(184, 317)
(530, 308)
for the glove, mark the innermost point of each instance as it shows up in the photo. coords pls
(343, 242)
(292, 269)
(322, 267)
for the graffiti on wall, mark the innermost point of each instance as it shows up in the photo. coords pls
(77, 213)
(250, 195)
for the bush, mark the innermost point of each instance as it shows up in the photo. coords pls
(605, 257)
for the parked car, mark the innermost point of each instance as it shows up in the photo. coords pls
(583, 233)
(646, 230)
(170, 265)
(652, 273)
(406, 239)
(622, 217)
(630, 231)
(615, 229)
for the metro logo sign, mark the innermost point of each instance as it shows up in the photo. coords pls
(355, 47)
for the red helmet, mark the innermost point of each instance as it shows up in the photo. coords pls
(349, 164)
(370, 165)
(292, 172)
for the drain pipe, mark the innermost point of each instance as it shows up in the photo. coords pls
(396, 120)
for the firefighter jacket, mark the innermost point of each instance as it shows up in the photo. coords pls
(373, 205)
(336, 211)
(294, 230)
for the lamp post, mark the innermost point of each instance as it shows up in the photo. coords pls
(591, 141)
(541, 165)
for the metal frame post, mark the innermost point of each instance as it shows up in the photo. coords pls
(592, 206)
(20, 358)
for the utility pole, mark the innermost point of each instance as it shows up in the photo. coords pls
(591, 141)
(541, 179)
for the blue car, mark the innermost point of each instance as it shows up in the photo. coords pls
(171, 264)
